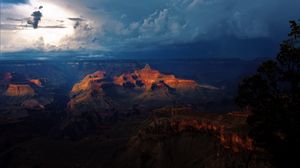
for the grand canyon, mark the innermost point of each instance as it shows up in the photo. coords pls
(149, 84)
(125, 114)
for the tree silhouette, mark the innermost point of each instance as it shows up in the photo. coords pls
(273, 96)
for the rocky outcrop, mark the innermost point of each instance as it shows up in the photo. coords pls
(144, 89)
(88, 95)
(33, 104)
(90, 82)
(149, 78)
(88, 106)
(229, 134)
(16, 90)
(36, 82)
(19, 91)
(189, 139)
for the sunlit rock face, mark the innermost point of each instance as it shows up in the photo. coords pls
(19, 94)
(36, 82)
(157, 89)
(151, 79)
(16, 90)
(90, 81)
(17, 85)
(144, 89)
(88, 105)
(88, 94)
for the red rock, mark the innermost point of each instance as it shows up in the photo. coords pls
(15, 90)
(89, 93)
(36, 82)
(89, 82)
(228, 137)
(148, 77)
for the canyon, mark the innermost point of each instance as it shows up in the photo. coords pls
(121, 114)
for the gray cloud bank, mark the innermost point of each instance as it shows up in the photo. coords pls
(136, 26)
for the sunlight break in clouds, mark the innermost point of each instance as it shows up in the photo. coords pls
(56, 29)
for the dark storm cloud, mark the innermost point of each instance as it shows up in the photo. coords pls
(158, 24)
(76, 25)
(230, 27)
(54, 27)
(76, 19)
(77, 22)
(37, 15)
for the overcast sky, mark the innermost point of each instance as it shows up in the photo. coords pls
(148, 28)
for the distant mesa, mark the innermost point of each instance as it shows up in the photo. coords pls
(16, 85)
(18, 90)
(145, 88)
(90, 81)
(88, 105)
(36, 82)
(150, 79)
(88, 94)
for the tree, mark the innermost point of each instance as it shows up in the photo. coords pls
(273, 96)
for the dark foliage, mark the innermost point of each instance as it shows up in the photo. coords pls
(273, 96)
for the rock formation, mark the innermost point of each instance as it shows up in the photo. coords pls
(16, 90)
(32, 104)
(90, 82)
(88, 95)
(149, 78)
(36, 82)
(226, 133)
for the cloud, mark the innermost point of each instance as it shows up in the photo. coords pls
(132, 25)
(188, 21)
(37, 15)
(56, 28)
(76, 19)
(14, 19)
(77, 22)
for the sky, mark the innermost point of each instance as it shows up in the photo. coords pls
(144, 28)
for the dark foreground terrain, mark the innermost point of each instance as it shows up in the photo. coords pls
(175, 113)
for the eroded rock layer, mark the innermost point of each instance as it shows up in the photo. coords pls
(19, 90)
(149, 78)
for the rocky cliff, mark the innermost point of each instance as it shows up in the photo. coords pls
(19, 90)
(88, 95)
(144, 88)
(149, 78)
(36, 82)
(179, 137)
(89, 82)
